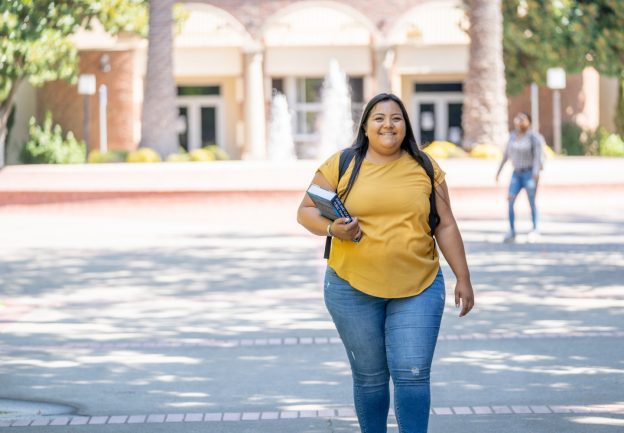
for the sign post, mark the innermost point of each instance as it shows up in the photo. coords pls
(556, 80)
(103, 103)
(535, 106)
(86, 87)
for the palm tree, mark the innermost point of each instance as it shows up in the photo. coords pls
(159, 109)
(484, 117)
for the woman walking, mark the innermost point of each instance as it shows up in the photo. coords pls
(524, 149)
(383, 285)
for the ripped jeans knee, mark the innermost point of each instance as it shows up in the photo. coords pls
(410, 375)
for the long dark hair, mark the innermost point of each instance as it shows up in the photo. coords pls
(360, 145)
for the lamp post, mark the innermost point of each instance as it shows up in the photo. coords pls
(556, 80)
(535, 106)
(86, 87)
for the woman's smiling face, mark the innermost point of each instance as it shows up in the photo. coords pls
(385, 128)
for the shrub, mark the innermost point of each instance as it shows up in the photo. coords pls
(612, 145)
(220, 154)
(97, 157)
(486, 151)
(571, 143)
(202, 155)
(144, 154)
(179, 157)
(46, 145)
(576, 141)
(445, 149)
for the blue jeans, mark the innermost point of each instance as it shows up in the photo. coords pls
(388, 338)
(522, 179)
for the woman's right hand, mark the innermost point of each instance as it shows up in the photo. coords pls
(346, 231)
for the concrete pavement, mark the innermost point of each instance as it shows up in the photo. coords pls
(189, 315)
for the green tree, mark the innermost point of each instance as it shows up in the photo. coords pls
(35, 44)
(573, 34)
(535, 33)
(596, 31)
(596, 27)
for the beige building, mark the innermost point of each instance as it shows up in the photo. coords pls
(232, 55)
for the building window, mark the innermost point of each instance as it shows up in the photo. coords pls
(308, 105)
(438, 87)
(199, 90)
(309, 102)
(277, 85)
(357, 89)
(305, 99)
(357, 98)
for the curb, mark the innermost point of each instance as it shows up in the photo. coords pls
(37, 197)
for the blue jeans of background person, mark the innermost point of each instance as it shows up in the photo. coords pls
(388, 338)
(522, 179)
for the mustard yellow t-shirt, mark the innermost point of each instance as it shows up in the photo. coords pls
(396, 257)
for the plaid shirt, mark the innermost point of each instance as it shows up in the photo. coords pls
(525, 152)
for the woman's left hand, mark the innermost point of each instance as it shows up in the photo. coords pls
(464, 293)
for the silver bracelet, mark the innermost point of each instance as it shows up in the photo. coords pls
(329, 233)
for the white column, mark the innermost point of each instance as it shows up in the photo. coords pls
(384, 61)
(255, 119)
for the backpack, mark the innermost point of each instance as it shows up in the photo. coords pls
(537, 142)
(347, 155)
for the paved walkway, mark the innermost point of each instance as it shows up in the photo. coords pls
(187, 313)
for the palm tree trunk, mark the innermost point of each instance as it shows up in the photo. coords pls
(159, 110)
(485, 104)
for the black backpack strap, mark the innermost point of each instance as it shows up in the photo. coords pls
(345, 159)
(537, 147)
(434, 218)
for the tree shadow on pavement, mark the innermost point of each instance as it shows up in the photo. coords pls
(249, 286)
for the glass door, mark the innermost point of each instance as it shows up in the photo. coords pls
(182, 127)
(438, 116)
(199, 122)
(455, 133)
(208, 125)
(426, 123)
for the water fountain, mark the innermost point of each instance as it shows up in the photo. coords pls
(336, 118)
(280, 145)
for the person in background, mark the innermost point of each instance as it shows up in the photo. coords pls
(384, 287)
(525, 150)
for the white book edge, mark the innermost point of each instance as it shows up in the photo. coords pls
(321, 192)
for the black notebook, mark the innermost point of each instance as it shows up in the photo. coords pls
(328, 203)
